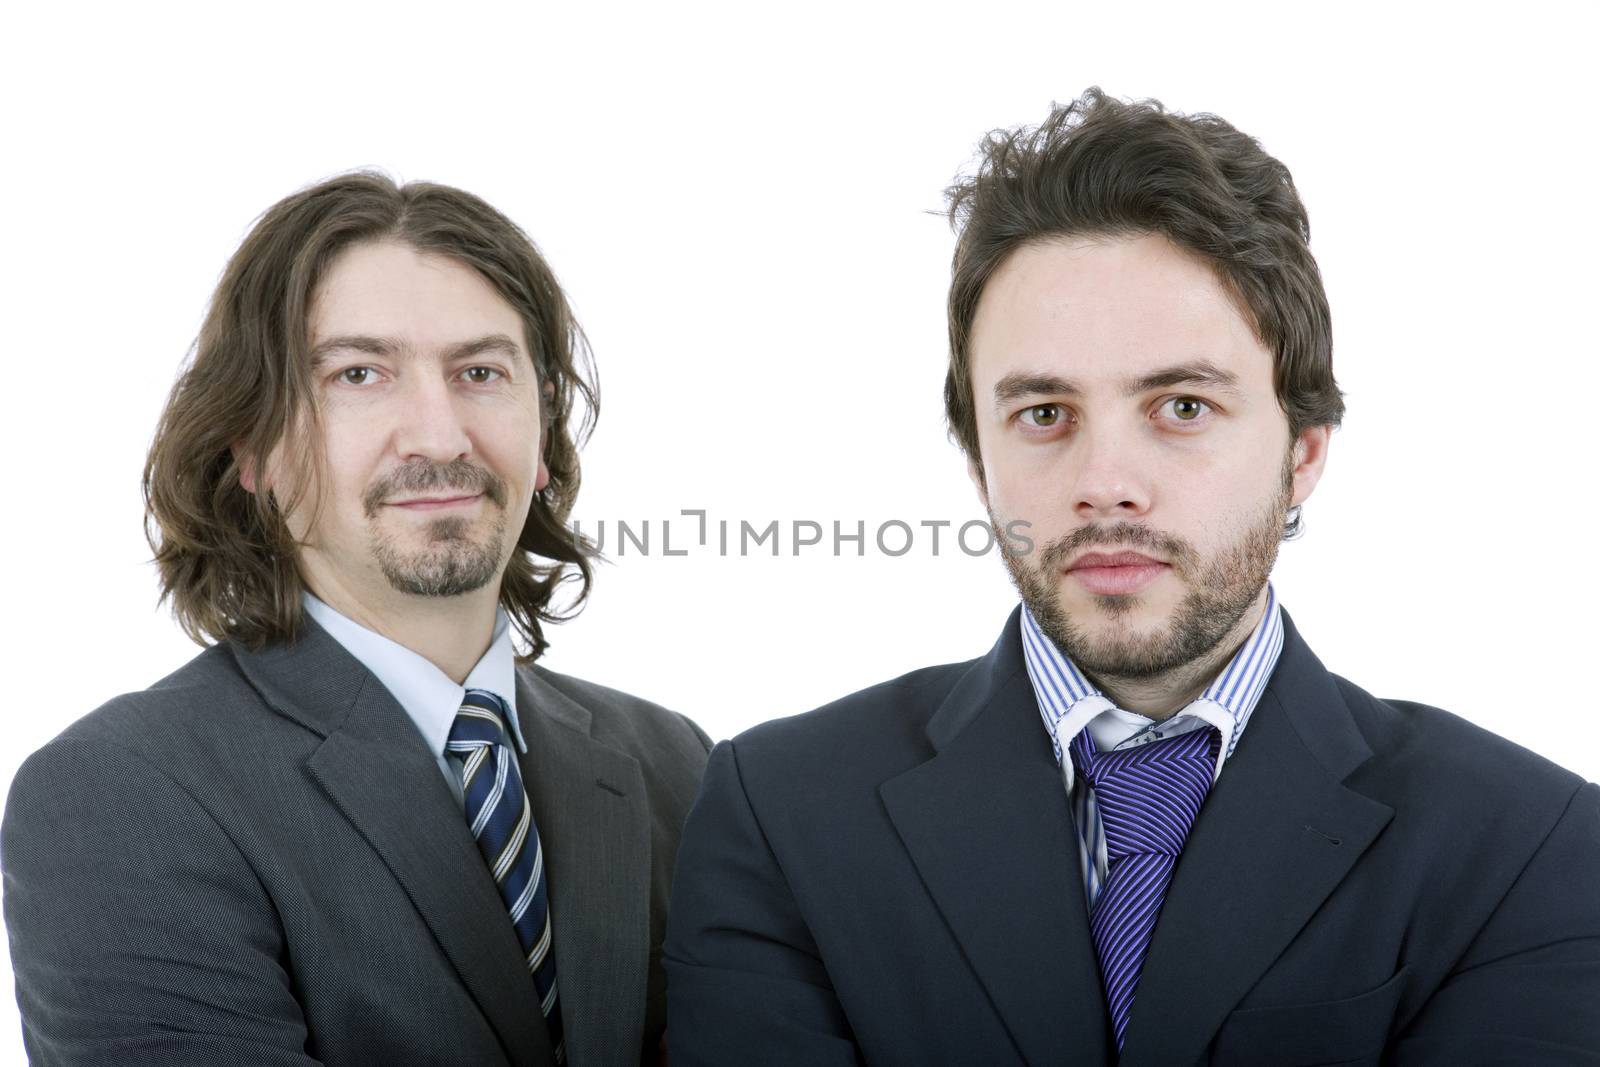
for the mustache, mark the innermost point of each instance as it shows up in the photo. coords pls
(421, 476)
(1056, 553)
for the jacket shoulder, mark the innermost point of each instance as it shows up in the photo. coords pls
(624, 720)
(879, 727)
(174, 732)
(1431, 741)
(193, 701)
(1457, 784)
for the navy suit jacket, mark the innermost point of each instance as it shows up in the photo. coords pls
(894, 879)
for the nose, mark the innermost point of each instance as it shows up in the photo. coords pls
(1110, 483)
(430, 425)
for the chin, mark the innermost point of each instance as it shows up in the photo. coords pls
(1146, 606)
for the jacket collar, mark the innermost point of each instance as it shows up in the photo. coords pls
(379, 774)
(987, 824)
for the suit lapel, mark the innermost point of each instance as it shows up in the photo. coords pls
(1277, 835)
(988, 824)
(379, 774)
(589, 803)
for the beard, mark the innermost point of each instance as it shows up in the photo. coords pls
(1222, 587)
(452, 561)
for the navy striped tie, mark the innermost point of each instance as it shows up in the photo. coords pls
(502, 823)
(1148, 799)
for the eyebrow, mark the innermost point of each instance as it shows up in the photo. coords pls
(385, 346)
(1201, 372)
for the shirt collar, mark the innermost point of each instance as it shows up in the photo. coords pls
(1069, 703)
(424, 692)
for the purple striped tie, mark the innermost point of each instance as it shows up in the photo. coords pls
(1148, 799)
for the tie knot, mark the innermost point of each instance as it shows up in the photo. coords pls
(479, 721)
(1149, 796)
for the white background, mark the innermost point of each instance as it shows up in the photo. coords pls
(738, 202)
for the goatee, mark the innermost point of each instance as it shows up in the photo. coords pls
(453, 562)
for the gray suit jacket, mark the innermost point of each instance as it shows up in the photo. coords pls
(257, 861)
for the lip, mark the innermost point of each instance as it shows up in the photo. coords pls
(1115, 573)
(436, 503)
(1114, 559)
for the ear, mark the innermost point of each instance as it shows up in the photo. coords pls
(1310, 456)
(542, 478)
(247, 467)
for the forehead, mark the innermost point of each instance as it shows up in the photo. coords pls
(389, 289)
(1102, 311)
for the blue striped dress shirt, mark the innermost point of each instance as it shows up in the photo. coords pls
(1069, 703)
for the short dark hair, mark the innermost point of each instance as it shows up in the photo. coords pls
(1102, 167)
(226, 557)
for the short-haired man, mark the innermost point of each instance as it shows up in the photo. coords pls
(1148, 826)
(359, 828)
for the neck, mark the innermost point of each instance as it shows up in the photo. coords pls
(452, 633)
(1162, 696)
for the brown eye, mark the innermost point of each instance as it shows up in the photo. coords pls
(481, 375)
(1186, 408)
(355, 375)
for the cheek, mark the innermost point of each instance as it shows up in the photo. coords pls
(1039, 496)
(511, 449)
(1216, 505)
(352, 461)
(1017, 479)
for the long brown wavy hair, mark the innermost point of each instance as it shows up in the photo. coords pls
(226, 557)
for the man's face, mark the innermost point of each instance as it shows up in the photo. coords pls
(1126, 412)
(430, 411)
